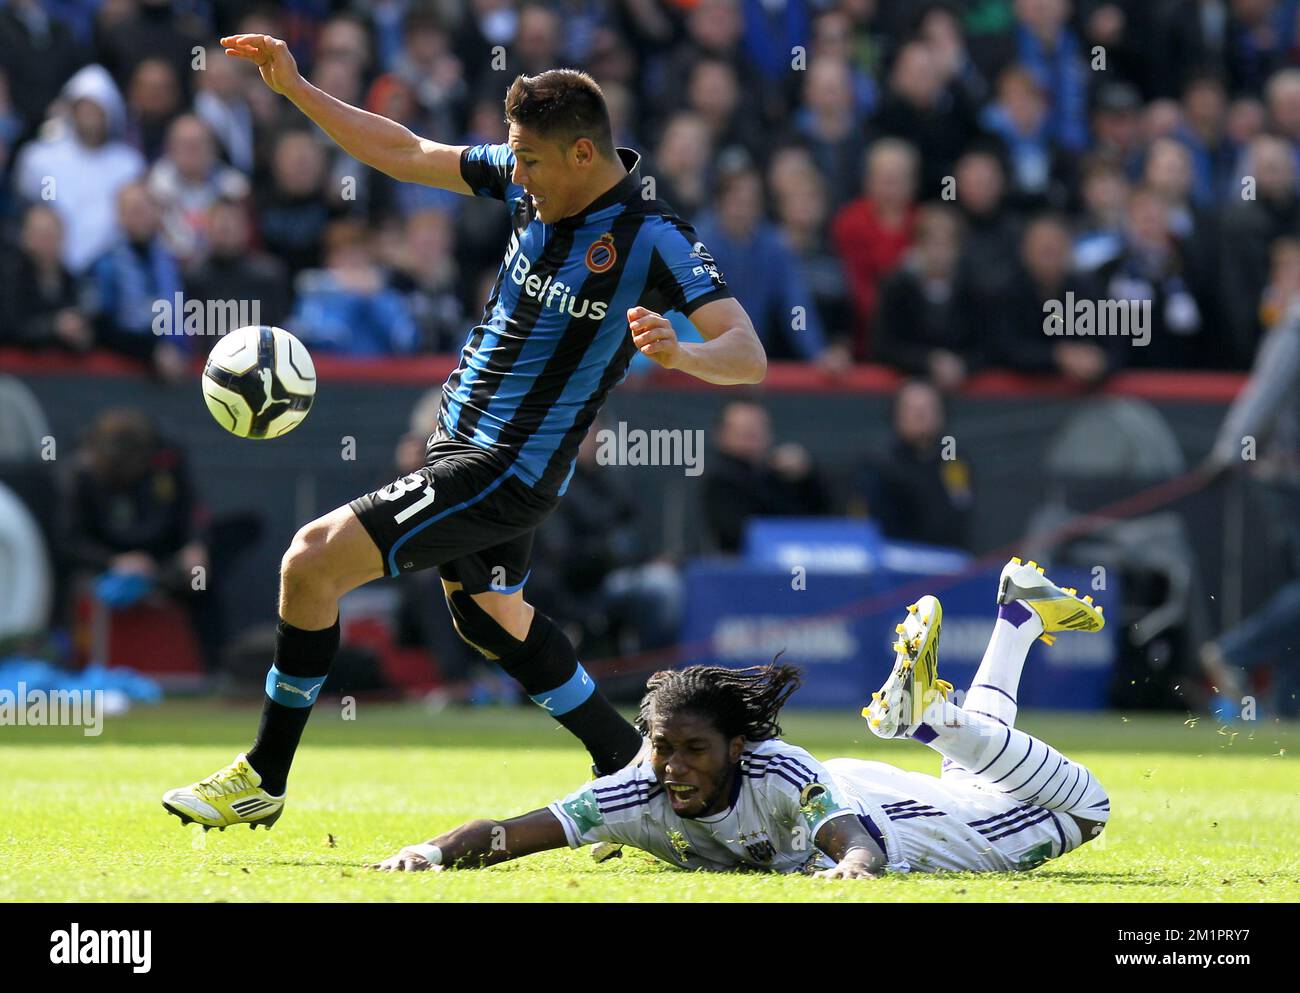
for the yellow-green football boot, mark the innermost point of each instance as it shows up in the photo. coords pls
(1059, 608)
(899, 706)
(232, 795)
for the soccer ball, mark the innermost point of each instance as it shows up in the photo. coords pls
(259, 382)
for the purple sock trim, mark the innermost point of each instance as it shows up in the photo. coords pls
(1014, 613)
(925, 734)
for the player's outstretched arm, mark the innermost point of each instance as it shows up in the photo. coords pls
(378, 142)
(481, 843)
(730, 353)
(846, 841)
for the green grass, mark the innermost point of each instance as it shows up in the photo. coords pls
(1199, 814)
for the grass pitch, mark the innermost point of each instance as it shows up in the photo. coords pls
(1200, 812)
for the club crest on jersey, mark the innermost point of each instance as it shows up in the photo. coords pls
(759, 846)
(602, 255)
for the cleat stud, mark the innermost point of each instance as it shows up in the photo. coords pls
(899, 628)
(1041, 571)
(925, 619)
(1087, 599)
(1032, 564)
(1099, 608)
(911, 608)
(1015, 559)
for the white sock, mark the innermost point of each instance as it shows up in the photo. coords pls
(1013, 762)
(994, 690)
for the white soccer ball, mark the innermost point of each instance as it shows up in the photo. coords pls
(259, 382)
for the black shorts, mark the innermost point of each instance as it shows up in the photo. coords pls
(463, 512)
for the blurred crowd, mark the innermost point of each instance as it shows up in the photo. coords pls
(894, 181)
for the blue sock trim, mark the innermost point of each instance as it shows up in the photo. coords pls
(293, 691)
(574, 693)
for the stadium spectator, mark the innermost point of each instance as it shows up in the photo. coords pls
(131, 518)
(991, 240)
(713, 91)
(38, 296)
(747, 477)
(1020, 338)
(834, 39)
(712, 31)
(924, 326)
(941, 29)
(1039, 174)
(427, 63)
(146, 29)
(1204, 132)
(133, 287)
(1117, 126)
(931, 115)
(1043, 41)
(81, 166)
(234, 270)
(1260, 36)
(683, 163)
(1249, 226)
(599, 575)
(222, 102)
(292, 210)
(37, 56)
(188, 180)
(1187, 35)
(153, 100)
(347, 307)
(920, 490)
(1154, 267)
(424, 270)
(801, 211)
(1099, 231)
(748, 249)
(872, 233)
(831, 126)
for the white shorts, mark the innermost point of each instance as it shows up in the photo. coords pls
(955, 824)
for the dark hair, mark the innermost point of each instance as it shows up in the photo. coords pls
(738, 701)
(563, 105)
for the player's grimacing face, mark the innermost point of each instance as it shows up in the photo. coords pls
(694, 762)
(550, 174)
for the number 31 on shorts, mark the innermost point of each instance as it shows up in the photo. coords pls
(403, 486)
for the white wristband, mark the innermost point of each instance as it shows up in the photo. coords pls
(431, 853)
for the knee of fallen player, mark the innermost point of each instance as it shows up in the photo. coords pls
(1092, 810)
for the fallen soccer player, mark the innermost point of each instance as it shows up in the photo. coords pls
(719, 790)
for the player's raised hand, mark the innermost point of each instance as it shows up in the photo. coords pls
(407, 860)
(654, 336)
(271, 56)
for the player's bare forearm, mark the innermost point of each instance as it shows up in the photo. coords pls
(481, 843)
(383, 144)
(728, 360)
(856, 855)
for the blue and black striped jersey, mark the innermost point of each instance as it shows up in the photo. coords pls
(554, 337)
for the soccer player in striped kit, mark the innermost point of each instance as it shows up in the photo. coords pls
(720, 790)
(592, 264)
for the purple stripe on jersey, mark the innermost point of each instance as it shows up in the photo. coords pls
(916, 813)
(985, 713)
(995, 689)
(997, 817)
(896, 803)
(1014, 613)
(614, 792)
(991, 829)
(794, 765)
(1073, 783)
(874, 831)
(1046, 755)
(776, 762)
(1000, 751)
(924, 734)
(1028, 751)
(1069, 802)
(1021, 826)
(1061, 832)
(638, 802)
(635, 789)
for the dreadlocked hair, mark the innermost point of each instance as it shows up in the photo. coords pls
(738, 701)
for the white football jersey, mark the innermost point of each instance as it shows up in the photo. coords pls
(782, 798)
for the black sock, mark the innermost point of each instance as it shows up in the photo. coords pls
(546, 666)
(302, 661)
